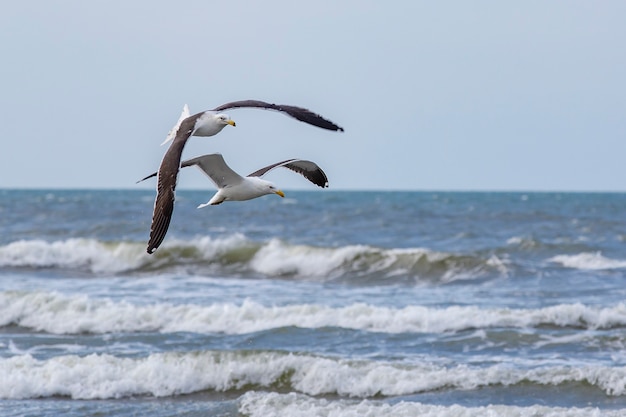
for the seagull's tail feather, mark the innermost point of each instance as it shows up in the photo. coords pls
(172, 133)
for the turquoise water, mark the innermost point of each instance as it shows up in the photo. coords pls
(322, 303)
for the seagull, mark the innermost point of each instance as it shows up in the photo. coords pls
(233, 187)
(206, 123)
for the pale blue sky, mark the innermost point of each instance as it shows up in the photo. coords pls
(434, 95)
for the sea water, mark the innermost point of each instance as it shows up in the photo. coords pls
(324, 303)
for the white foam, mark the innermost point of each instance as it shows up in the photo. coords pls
(211, 247)
(588, 261)
(273, 258)
(74, 314)
(277, 258)
(260, 404)
(72, 253)
(167, 374)
(101, 257)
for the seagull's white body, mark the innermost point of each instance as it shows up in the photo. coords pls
(247, 189)
(230, 185)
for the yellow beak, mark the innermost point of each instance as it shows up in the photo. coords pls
(280, 193)
(232, 123)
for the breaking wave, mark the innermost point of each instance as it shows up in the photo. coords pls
(257, 404)
(588, 261)
(76, 314)
(102, 376)
(238, 256)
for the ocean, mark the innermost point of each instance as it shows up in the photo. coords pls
(324, 303)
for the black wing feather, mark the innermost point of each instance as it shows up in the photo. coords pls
(299, 113)
(167, 177)
(308, 169)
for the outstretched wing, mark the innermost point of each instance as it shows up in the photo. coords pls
(166, 185)
(308, 169)
(214, 166)
(302, 114)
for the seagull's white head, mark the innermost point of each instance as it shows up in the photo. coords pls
(210, 123)
(274, 190)
(224, 119)
(264, 187)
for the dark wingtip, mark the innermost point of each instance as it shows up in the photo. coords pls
(299, 113)
(154, 174)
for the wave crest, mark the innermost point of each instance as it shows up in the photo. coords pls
(102, 376)
(588, 261)
(62, 314)
(257, 404)
(237, 255)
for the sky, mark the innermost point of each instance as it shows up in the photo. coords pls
(433, 95)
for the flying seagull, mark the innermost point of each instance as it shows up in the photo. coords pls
(206, 123)
(233, 187)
